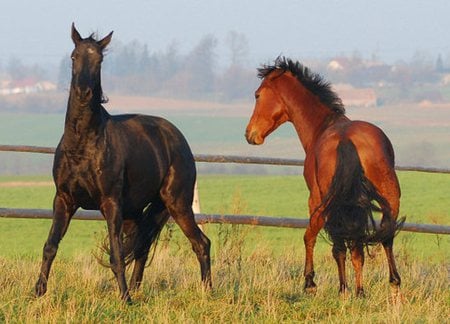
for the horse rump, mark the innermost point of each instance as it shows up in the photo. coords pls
(348, 205)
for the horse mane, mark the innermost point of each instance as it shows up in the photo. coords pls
(310, 80)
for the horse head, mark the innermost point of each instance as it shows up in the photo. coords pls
(86, 64)
(269, 113)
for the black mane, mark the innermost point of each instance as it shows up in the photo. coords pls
(310, 80)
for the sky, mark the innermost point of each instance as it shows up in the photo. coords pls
(39, 31)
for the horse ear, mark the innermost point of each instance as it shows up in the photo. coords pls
(105, 41)
(76, 38)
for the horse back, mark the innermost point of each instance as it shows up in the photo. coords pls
(151, 137)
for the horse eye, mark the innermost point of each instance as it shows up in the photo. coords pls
(256, 95)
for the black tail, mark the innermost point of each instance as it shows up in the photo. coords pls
(349, 204)
(139, 235)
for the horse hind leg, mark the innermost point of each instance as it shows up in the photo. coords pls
(357, 252)
(391, 221)
(339, 253)
(389, 224)
(309, 239)
(147, 231)
(388, 190)
(200, 243)
(180, 208)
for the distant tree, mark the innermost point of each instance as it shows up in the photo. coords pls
(422, 68)
(64, 73)
(16, 69)
(197, 75)
(237, 83)
(238, 46)
(19, 71)
(169, 62)
(440, 64)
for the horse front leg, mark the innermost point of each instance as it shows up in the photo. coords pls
(111, 210)
(62, 213)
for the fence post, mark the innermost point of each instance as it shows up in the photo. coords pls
(196, 204)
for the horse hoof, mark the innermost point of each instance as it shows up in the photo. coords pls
(40, 289)
(128, 301)
(134, 286)
(360, 293)
(344, 292)
(207, 288)
(310, 288)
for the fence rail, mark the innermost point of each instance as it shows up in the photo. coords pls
(288, 222)
(215, 218)
(221, 158)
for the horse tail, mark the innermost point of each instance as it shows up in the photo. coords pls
(148, 231)
(139, 235)
(348, 204)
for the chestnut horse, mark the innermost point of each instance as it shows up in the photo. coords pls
(137, 170)
(348, 166)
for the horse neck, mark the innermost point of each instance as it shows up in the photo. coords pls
(83, 118)
(308, 115)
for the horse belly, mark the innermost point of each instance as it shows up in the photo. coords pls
(85, 198)
(141, 187)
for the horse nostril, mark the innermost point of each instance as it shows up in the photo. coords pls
(250, 136)
(88, 94)
(84, 95)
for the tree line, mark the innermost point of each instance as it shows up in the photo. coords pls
(133, 69)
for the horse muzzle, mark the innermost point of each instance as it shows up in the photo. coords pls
(84, 95)
(253, 137)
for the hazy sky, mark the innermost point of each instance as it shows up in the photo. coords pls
(39, 31)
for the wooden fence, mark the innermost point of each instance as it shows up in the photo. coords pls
(214, 218)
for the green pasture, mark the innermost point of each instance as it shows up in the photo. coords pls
(424, 200)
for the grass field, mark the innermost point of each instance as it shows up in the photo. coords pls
(257, 272)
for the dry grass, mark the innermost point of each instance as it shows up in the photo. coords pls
(254, 286)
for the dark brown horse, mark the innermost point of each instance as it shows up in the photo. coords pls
(137, 170)
(348, 166)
